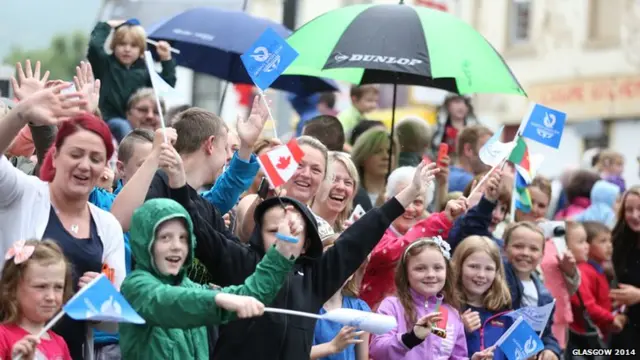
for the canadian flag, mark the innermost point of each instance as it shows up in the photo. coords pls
(280, 163)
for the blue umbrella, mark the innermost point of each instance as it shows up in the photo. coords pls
(211, 41)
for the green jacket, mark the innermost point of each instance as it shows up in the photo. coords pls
(118, 82)
(177, 310)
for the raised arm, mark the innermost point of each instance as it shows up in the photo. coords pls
(96, 54)
(351, 248)
(134, 192)
(235, 180)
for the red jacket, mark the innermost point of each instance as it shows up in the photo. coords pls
(594, 290)
(378, 281)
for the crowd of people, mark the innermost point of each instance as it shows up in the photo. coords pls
(178, 217)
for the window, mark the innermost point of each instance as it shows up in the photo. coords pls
(519, 21)
(604, 21)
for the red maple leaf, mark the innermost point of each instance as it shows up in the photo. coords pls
(283, 162)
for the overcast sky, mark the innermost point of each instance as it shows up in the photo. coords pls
(31, 23)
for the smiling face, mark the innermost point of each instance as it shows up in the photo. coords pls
(144, 114)
(427, 272)
(524, 250)
(478, 273)
(170, 247)
(337, 194)
(40, 291)
(79, 163)
(411, 214)
(304, 183)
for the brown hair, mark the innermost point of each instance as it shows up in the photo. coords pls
(402, 280)
(327, 129)
(543, 184)
(504, 192)
(522, 224)
(358, 91)
(46, 252)
(607, 157)
(471, 135)
(497, 296)
(593, 229)
(137, 136)
(414, 134)
(136, 32)
(581, 184)
(194, 126)
(623, 237)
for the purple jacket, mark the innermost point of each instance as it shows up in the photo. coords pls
(390, 346)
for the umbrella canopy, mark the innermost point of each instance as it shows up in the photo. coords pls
(211, 41)
(400, 44)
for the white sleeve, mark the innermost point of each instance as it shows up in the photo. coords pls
(113, 241)
(13, 182)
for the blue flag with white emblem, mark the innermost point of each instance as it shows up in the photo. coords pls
(520, 342)
(544, 125)
(100, 301)
(267, 58)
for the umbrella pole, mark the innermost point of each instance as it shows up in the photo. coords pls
(393, 125)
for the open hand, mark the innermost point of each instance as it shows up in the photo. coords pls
(244, 306)
(347, 336)
(626, 294)
(50, 106)
(86, 83)
(29, 81)
(471, 321)
(567, 263)
(424, 176)
(423, 326)
(249, 129)
(25, 347)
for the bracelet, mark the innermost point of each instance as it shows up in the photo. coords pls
(286, 238)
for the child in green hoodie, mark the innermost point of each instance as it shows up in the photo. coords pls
(177, 311)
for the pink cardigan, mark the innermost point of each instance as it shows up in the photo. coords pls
(578, 205)
(561, 288)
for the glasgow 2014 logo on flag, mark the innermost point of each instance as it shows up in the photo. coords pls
(544, 125)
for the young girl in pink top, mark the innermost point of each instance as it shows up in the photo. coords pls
(36, 281)
(429, 325)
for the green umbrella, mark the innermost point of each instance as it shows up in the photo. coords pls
(400, 44)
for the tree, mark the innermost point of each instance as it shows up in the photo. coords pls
(60, 58)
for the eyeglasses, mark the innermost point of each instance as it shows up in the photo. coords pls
(145, 110)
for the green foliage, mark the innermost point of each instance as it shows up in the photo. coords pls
(61, 58)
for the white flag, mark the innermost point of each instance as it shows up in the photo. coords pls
(536, 316)
(494, 150)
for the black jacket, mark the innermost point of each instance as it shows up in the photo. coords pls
(316, 277)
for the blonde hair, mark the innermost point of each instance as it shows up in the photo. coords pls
(402, 280)
(46, 252)
(137, 34)
(497, 296)
(345, 159)
(522, 224)
(316, 144)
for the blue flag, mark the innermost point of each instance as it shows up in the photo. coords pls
(267, 58)
(544, 125)
(100, 301)
(520, 342)
(536, 316)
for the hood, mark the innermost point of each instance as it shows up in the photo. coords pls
(305, 106)
(314, 248)
(604, 192)
(145, 222)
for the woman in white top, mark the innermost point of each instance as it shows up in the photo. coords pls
(334, 199)
(57, 206)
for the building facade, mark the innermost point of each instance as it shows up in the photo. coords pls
(578, 56)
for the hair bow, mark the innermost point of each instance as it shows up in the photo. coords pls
(20, 252)
(444, 246)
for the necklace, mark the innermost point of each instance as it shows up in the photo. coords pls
(75, 228)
